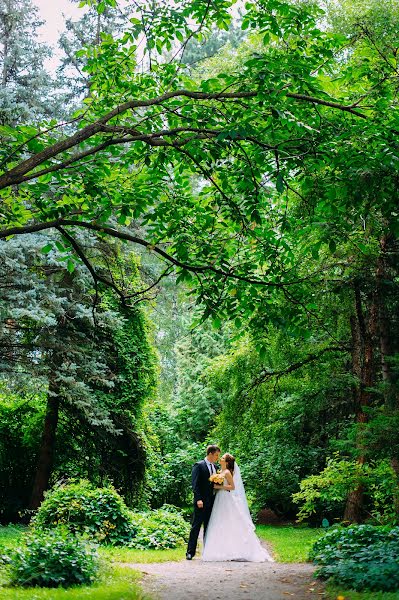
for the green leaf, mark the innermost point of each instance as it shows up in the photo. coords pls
(47, 248)
(280, 183)
(70, 265)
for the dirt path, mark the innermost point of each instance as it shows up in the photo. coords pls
(196, 580)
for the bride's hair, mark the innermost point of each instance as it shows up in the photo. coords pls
(230, 462)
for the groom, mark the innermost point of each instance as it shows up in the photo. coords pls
(203, 496)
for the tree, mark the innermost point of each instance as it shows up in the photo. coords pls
(25, 93)
(88, 31)
(91, 362)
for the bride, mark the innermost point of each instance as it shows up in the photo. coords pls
(231, 533)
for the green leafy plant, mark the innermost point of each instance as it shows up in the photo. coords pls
(52, 559)
(328, 490)
(344, 542)
(83, 508)
(160, 529)
(360, 557)
(370, 574)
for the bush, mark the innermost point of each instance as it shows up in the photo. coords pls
(99, 512)
(342, 543)
(360, 557)
(160, 529)
(56, 558)
(374, 576)
(326, 493)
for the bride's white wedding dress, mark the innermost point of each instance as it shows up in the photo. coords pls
(231, 533)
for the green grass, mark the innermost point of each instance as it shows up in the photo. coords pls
(334, 592)
(127, 555)
(289, 544)
(116, 583)
(12, 535)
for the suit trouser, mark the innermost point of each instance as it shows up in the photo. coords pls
(201, 516)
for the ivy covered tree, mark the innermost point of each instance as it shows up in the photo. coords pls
(91, 361)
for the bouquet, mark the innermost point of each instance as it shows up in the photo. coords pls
(217, 478)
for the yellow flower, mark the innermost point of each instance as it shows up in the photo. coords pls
(340, 597)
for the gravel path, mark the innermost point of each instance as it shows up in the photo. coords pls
(196, 580)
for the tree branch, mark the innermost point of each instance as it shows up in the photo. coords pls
(153, 248)
(14, 176)
(266, 375)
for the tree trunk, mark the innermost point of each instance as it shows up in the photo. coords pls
(46, 452)
(386, 348)
(385, 334)
(363, 338)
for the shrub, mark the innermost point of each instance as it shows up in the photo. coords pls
(374, 576)
(341, 543)
(326, 493)
(160, 529)
(56, 558)
(360, 557)
(99, 512)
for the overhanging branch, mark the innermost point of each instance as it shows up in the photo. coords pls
(18, 173)
(115, 233)
(267, 375)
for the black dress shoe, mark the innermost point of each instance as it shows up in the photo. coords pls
(189, 556)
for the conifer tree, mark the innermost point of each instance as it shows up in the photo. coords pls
(25, 86)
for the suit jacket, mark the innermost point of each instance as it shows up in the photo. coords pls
(202, 487)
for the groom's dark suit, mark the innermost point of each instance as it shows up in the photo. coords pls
(203, 490)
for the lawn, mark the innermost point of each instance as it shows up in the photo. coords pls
(127, 555)
(334, 593)
(115, 583)
(289, 544)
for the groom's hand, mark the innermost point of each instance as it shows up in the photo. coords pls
(200, 504)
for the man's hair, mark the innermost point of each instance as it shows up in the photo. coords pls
(212, 449)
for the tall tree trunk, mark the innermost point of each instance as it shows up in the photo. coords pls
(363, 339)
(386, 348)
(385, 334)
(46, 452)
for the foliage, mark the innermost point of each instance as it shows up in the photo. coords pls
(326, 492)
(26, 87)
(266, 182)
(362, 557)
(21, 418)
(375, 573)
(344, 542)
(169, 472)
(97, 512)
(107, 372)
(291, 422)
(52, 559)
(159, 529)
(113, 581)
